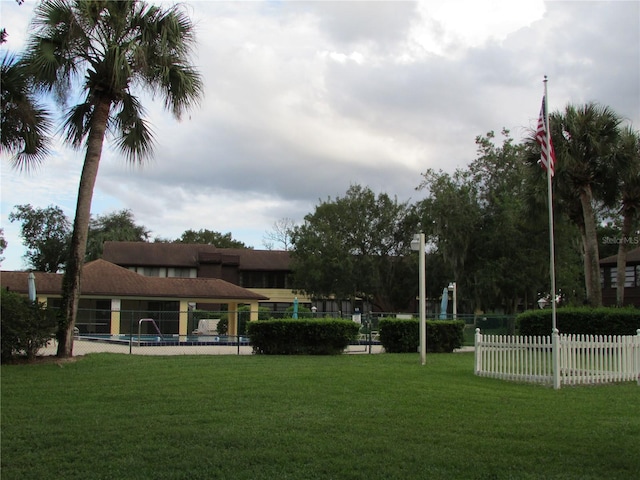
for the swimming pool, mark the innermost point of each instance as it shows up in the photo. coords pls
(165, 340)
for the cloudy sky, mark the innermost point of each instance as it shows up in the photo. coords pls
(305, 98)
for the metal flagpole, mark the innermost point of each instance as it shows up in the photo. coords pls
(555, 352)
(549, 154)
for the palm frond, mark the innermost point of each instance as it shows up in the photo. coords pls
(76, 124)
(135, 137)
(24, 124)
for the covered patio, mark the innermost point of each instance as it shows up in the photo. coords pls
(111, 293)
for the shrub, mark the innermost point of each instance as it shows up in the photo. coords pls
(301, 336)
(399, 335)
(403, 335)
(26, 326)
(244, 316)
(585, 320)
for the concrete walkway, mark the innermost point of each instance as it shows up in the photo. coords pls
(82, 347)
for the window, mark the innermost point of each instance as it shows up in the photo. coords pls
(631, 277)
(180, 272)
(264, 280)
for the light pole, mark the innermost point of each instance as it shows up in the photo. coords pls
(543, 302)
(418, 244)
(454, 288)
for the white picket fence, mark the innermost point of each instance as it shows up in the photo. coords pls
(559, 359)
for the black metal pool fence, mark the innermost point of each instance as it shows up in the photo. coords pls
(136, 331)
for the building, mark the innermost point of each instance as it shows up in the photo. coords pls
(114, 299)
(608, 274)
(263, 272)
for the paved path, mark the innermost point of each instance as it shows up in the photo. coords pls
(81, 347)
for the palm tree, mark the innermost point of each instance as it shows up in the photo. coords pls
(585, 139)
(25, 123)
(586, 177)
(629, 156)
(111, 47)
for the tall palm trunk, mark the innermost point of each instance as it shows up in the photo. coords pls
(592, 260)
(621, 261)
(73, 271)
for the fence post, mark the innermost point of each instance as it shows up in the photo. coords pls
(555, 358)
(478, 353)
(636, 355)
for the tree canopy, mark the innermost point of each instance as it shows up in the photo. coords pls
(117, 226)
(210, 237)
(45, 233)
(356, 246)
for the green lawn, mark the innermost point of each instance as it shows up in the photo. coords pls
(384, 416)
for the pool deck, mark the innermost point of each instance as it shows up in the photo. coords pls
(81, 348)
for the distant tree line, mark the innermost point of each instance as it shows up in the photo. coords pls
(46, 232)
(486, 225)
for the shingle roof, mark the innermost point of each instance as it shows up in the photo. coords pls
(633, 257)
(102, 278)
(189, 255)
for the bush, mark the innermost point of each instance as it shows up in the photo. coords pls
(301, 336)
(403, 335)
(584, 320)
(26, 326)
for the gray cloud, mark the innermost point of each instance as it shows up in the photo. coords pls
(304, 99)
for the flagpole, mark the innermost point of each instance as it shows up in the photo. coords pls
(552, 266)
(555, 338)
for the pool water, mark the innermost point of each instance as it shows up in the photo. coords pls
(165, 340)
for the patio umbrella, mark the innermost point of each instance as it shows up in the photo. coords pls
(31, 281)
(443, 304)
(295, 307)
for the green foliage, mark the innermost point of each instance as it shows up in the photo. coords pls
(3, 244)
(302, 336)
(399, 335)
(357, 246)
(481, 232)
(46, 234)
(26, 326)
(210, 237)
(403, 335)
(585, 320)
(244, 317)
(118, 226)
(25, 124)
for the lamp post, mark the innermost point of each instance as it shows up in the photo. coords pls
(418, 244)
(454, 288)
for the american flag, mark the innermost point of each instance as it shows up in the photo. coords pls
(541, 137)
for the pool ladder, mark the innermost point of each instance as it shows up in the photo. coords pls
(147, 320)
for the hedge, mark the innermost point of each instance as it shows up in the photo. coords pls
(26, 326)
(327, 336)
(403, 335)
(584, 320)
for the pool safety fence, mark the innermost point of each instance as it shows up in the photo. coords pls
(145, 332)
(559, 359)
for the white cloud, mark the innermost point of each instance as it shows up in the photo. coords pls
(305, 98)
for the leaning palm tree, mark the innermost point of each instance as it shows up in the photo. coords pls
(109, 48)
(24, 123)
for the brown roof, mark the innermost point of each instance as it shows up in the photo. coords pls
(633, 258)
(102, 278)
(191, 255)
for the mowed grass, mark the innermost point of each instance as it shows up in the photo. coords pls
(109, 416)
